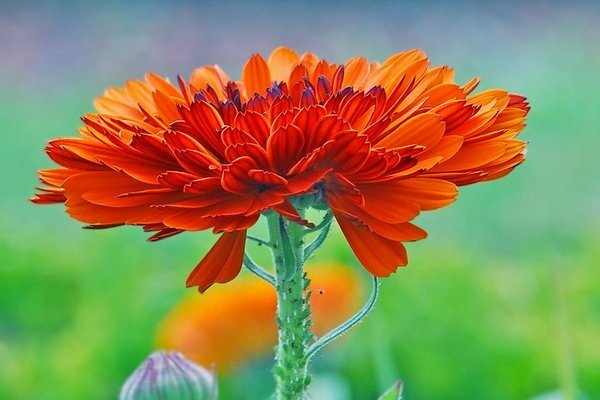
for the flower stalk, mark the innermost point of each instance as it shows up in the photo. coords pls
(293, 309)
(296, 343)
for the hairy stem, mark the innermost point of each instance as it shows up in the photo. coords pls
(293, 309)
(296, 344)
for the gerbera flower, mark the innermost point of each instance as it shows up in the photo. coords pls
(235, 325)
(375, 143)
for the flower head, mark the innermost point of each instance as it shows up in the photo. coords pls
(375, 143)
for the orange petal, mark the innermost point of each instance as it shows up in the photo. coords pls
(256, 75)
(109, 106)
(428, 193)
(209, 75)
(310, 61)
(166, 107)
(388, 204)
(402, 231)
(446, 148)
(472, 156)
(424, 129)
(380, 256)
(163, 85)
(281, 61)
(356, 71)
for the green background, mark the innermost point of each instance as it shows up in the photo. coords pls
(502, 301)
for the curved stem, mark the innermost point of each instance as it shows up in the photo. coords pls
(315, 244)
(258, 270)
(349, 324)
(261, 242)
(325, 221)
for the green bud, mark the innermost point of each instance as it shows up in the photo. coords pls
(169, 376)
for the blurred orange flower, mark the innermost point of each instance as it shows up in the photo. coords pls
(377, 143)
(235, 324)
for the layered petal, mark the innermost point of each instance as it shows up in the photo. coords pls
(378, 142)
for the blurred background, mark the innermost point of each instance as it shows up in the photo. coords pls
(502, 301)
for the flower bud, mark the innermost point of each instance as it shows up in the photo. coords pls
(169, 376)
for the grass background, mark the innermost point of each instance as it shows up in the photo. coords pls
(502, 301)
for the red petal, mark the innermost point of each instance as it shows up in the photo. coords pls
(235, 177)
(251, 150)
(255, 124)
(267, 178)
(380, 256)
(204, 186)
(203, 122)
(222, 263)
(303, 182)
(175, 179)
(231, 136)
(284, 148)
(288, 211)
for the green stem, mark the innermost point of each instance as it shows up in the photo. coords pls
(326, 221)
(294, 350)
(258, 270)
(346, 326)
(293, 309)
(259, 241)
(311, 248)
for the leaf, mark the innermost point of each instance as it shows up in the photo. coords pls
(393, 393)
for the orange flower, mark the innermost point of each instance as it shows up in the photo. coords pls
(378, 143)
(236, 324)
